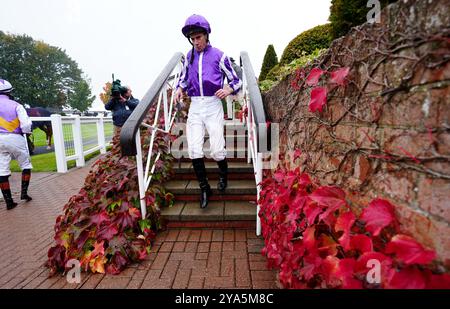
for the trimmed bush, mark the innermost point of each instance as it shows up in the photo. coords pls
(270, 60)
(307, 42)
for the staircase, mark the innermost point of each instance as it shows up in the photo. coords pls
(235, 208)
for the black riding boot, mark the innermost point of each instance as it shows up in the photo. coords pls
(200, 172)
(26, 175)
(6, 191)
(223, 173)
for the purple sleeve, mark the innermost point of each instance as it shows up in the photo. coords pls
(233, 80)
(182, 82)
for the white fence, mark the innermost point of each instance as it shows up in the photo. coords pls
(68, 138)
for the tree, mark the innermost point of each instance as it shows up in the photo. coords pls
(106, 94)
(345, 14)
(270, 60)
(42, 75)
(82, 98)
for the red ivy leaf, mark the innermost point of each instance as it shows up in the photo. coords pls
(313, 77)
(409, 251)
(318, 99)
(379, 214)
(338, 76)
(362, 267)
(98, 249)
(408, 278)
(279, 175)
(344, 223)
(108, 232)
(331, 197)
(311, 211)
(297, 154)
(99, 218)
(362, 243)
(441, 281)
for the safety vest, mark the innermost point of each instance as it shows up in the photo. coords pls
(9, 120)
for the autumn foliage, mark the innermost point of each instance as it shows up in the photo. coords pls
(101, 226)
(316, 240)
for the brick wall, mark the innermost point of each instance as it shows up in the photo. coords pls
(387, 132)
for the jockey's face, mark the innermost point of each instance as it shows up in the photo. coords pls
(199, 41)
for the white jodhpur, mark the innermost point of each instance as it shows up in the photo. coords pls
(206, 113)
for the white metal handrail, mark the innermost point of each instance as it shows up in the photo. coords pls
(256, 126)
(130, 134)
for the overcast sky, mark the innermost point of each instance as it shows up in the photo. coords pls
(135, 38)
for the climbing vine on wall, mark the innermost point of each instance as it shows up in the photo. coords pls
(101, 226)
(316, 240)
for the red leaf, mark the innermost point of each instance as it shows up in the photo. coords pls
(304, 180)
(328, 247)
(361, 264)
(98, 248)
(339, 273)
(332, 198)
(309, 240)
(279, 175)
(379, 214)
(362, 243)
(328, 196)
(297, 154)
(318, 99)
(99, 218)
(408, 278)
(338, 76)
(441, 281)
(409, 251)
(108, 232)
(313, 77)
(311, 211)
(344, 223)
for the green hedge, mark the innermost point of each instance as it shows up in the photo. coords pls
(307, 42)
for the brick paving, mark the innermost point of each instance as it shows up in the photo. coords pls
(180, 258)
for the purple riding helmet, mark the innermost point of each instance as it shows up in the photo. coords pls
(194, 24)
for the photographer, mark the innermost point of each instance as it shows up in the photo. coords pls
(122, 104)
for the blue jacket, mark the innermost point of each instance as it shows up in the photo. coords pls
(121, 111)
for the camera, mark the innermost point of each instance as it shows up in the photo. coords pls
(117, 89)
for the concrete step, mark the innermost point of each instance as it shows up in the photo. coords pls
(211, 167)
(240, 160)
(190, 187)
(216, 211)
(232, 152)
(236, 171)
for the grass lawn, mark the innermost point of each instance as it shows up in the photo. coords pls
(88, 131)
(47, 162)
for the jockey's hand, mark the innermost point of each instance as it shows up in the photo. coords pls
(179, 95)
(223, 93)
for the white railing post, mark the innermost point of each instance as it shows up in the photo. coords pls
(58, 141)
(101, 134)
(140, 172)
(78, 141)
(258, 179)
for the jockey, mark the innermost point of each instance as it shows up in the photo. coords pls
(14, 121)
(202, 78)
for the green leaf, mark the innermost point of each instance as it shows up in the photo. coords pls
(144, 224)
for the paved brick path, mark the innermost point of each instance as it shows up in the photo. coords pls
(181, 258)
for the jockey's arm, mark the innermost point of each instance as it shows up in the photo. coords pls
(25, 121)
